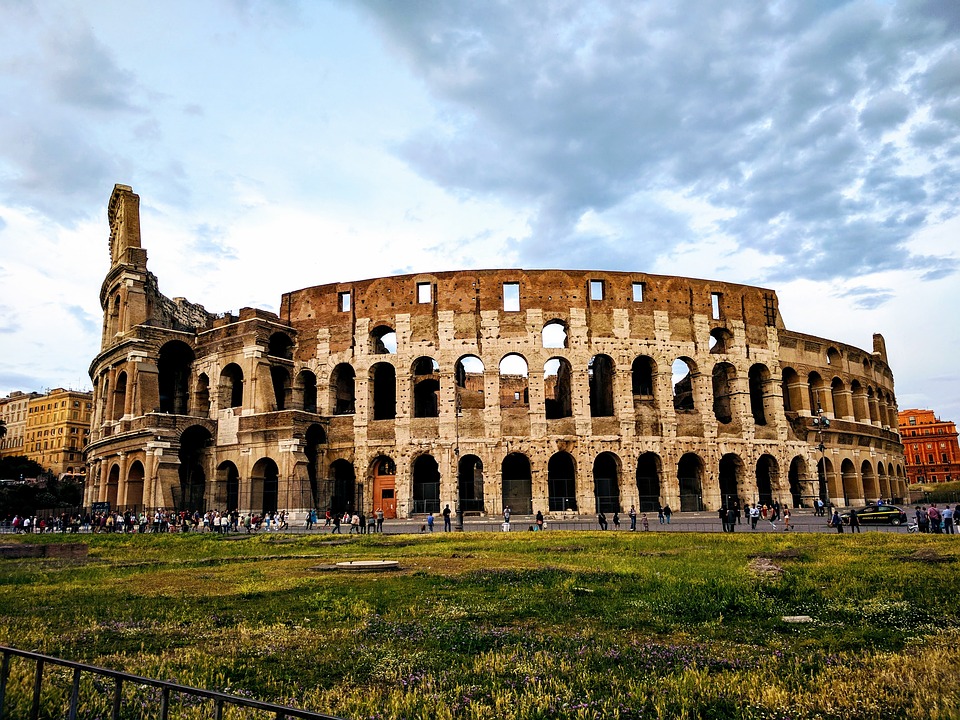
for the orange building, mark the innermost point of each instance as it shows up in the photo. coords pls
(58, 426)
(930, 446)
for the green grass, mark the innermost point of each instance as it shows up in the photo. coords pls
(524, 625)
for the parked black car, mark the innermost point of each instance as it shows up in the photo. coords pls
(878, 515)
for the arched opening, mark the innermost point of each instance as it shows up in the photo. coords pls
(557, 385)
(315, 439)
(643, 372)
(648, 481)
(601, 374)
(280, 346)
(833, 357)
(231, 386)
(342, 387)
(194, 455)
(839, 396)
(724, 388)
(682, 372)
(871, 488)
(851, 483)
(468, 377)
(606, 482)
(517, 484)
(227, 495)
(797, 478)
(281, 386)
(383, 340)
(790, 389)
(721, 341)
(690, 478)
(824, 472)
(818, 395)
(858, 396)
(767, 480)
(731, 479)
(561, 482)
(886, 491)
(203, 395)
(470, 484)
(264, 486)
(119, 396)
(173, 369)
(514, 392)
(426, 388)
(342, 492)
(384, 486)
(554, 334)
(383, 389)
(759, 377)
(135, 476)
(113, 486)
(307, 383)
(426, 485)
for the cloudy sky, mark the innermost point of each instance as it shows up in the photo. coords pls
(807, 146)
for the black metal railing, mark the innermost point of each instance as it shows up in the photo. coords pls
(218, 701)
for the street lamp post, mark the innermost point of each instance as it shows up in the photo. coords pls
(821, 422)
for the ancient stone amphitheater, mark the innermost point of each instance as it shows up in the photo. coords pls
(540, 390)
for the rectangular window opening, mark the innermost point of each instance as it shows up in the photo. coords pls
(596, 289)
(424, 294)
(715, 304)
(344, 301)
(638, 292)
(511, 297)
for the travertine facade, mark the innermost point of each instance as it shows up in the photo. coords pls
(542, 390)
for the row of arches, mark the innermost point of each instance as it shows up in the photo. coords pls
(856, 401)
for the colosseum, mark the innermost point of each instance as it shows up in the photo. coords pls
(561, 391)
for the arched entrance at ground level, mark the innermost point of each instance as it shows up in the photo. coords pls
(824, 472)
(767, 480)
(385, 486)
(315, 438)
(113, 486)
(517, 484)
(341, 493)
(470, 484)
(264, 486)
(851, 484)
(134, 492)
(606, 482)
(797, 477)
(731, 480)
(227, 494)
(648, 482)
(195, 443)
(884, 482)
(426, 485)
(690, 477)
(561, 482)
(871, 488)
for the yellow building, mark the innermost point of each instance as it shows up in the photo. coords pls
(13, 413)
(58, 427)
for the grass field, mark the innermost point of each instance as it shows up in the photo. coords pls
(520, 625)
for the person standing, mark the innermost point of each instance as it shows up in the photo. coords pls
(947, 517)
(754, 516)
(854, 521)
(722, 514)
(786, 518)
(430, 521)
(934, 514)
(660, 514)
(644, 523)
(836, 522)
(633, 518)
(667, 513)
(539, 520)
(602, 520)
(616, 520)
(446, 518)
(379, 519)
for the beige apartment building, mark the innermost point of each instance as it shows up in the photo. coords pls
(57, 428)
(13, 412)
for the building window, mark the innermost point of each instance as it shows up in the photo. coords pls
(424, 296)
(344, 301)
(596, 289)
(638, 292)
(511, 296)
(715, 304)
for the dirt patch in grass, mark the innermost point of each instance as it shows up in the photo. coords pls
(927, 555)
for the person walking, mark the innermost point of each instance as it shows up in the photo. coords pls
(667, 513)
(854, 521)
(786, 518)
(616, 520)
(836, 522)
(754, 516)
(430, 521)
(602, 520)
(446, 519)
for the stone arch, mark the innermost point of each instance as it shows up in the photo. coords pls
(768, 480)
(195, 457)
(690, 479)
(134, 494)
(469, 379)
(643, 372)
(514, 389)
(601, 373)
(730, 474)
(315, 439)
(383, 391)
(174, 366)
(759, 381)
(307, 390)
(883, 480)
(383, 340)
(280, 377)
(341, 492)
(561, 482)
(797, 477)
(231, 386)
(558, 388)
(824, 474)
(683, 369)
(264, 486)
(606, 482)
(426, 484)
(425, 384)
(850, 483)
(721, 341)
(343, 389)
(819, 397)
(384, 473)
(833, 357)
(470, 484)
(793, 390)
(113, 485)
(517, 483)
(554, 334)
(280, 345)
(840, 396)
(859, 408)
(649, 471)
(119, 396)
(203, 395)
(724, 390)
(869, 481)
(228, 486)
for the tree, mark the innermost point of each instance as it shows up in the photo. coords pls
(3, 429)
